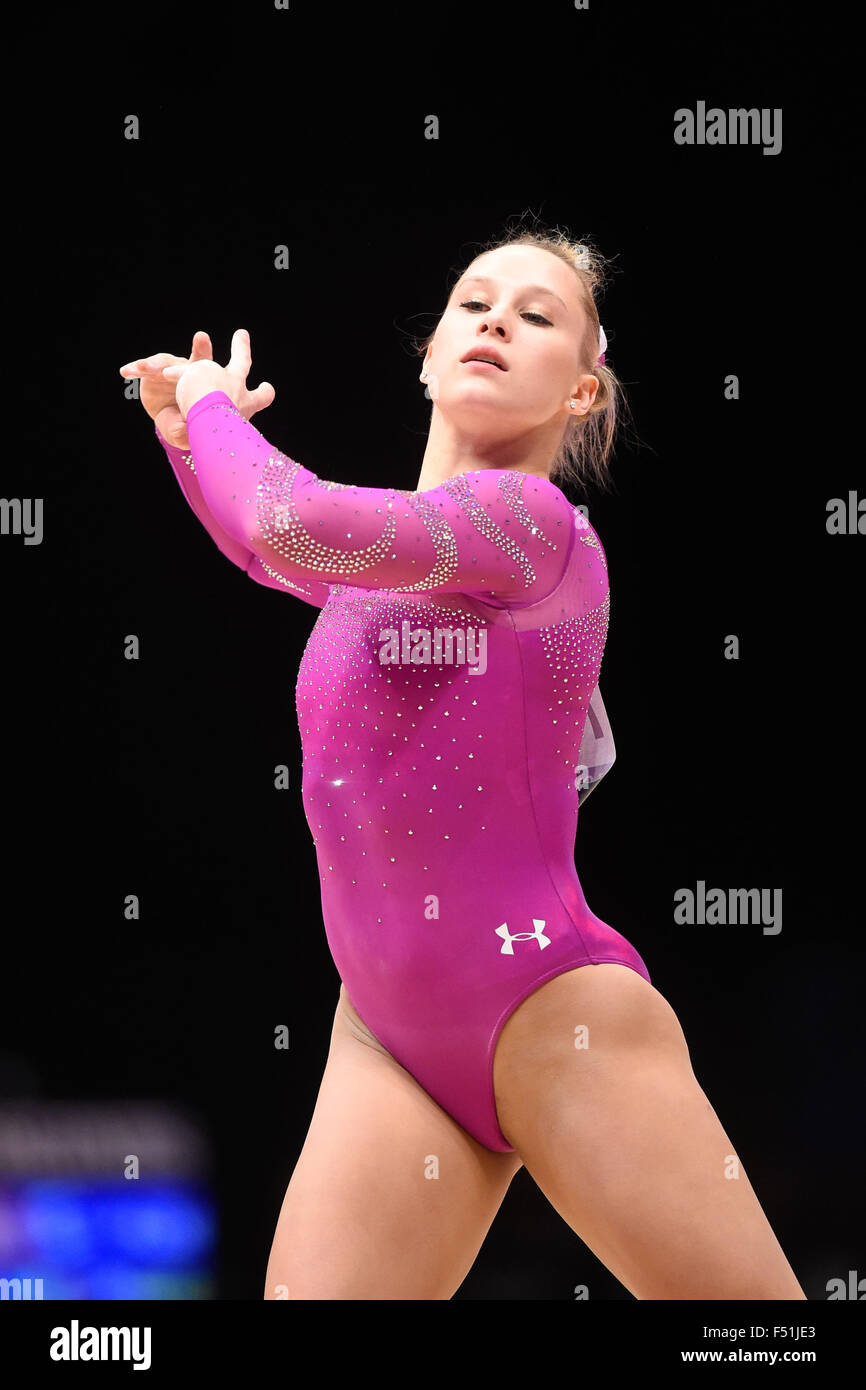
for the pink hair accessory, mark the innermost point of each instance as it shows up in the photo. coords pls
(602, 346)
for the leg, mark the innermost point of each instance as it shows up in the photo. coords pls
(625, 1145)
(361, 1218)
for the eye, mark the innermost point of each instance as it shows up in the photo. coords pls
(532, 312)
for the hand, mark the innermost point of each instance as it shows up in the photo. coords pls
(157, 393)
(198, 379)
(159, 389)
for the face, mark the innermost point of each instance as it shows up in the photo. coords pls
(526, 307)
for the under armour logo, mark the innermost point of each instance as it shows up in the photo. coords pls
(537, 935)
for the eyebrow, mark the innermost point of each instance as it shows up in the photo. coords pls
(533, 289)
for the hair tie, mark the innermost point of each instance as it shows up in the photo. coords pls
(602, 346)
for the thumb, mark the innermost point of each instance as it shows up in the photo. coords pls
(253, 401)
(264, 395)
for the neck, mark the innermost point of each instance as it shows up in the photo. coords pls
(450, 452)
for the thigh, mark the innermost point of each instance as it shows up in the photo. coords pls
(622, 1140)
(390, 1197)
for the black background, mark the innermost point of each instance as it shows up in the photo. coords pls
(155, 777)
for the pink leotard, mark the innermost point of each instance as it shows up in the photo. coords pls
(442, 796)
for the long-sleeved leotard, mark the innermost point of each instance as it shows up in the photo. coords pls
(451, 725)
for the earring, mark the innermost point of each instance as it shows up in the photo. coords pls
(573, 403)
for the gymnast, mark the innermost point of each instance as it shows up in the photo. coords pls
(487, 1019)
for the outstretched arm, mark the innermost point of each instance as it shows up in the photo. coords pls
(494, 532)
(182, 464)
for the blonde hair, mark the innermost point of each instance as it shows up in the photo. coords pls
(588, 440)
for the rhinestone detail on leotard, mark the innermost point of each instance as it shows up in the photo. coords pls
(460, 490)
(574, 649)
(593, 542)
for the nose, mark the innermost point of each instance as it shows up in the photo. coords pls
(492, 321)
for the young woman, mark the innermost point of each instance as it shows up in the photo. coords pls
(487, 1019)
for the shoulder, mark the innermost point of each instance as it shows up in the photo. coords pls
(587, 535)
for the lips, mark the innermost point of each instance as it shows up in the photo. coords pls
(491, 358)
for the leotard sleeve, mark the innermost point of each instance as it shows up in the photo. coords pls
(494, 533)
(182, 464)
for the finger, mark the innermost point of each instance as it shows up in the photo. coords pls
(202, 348)
(241, 359)
(147, 364)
